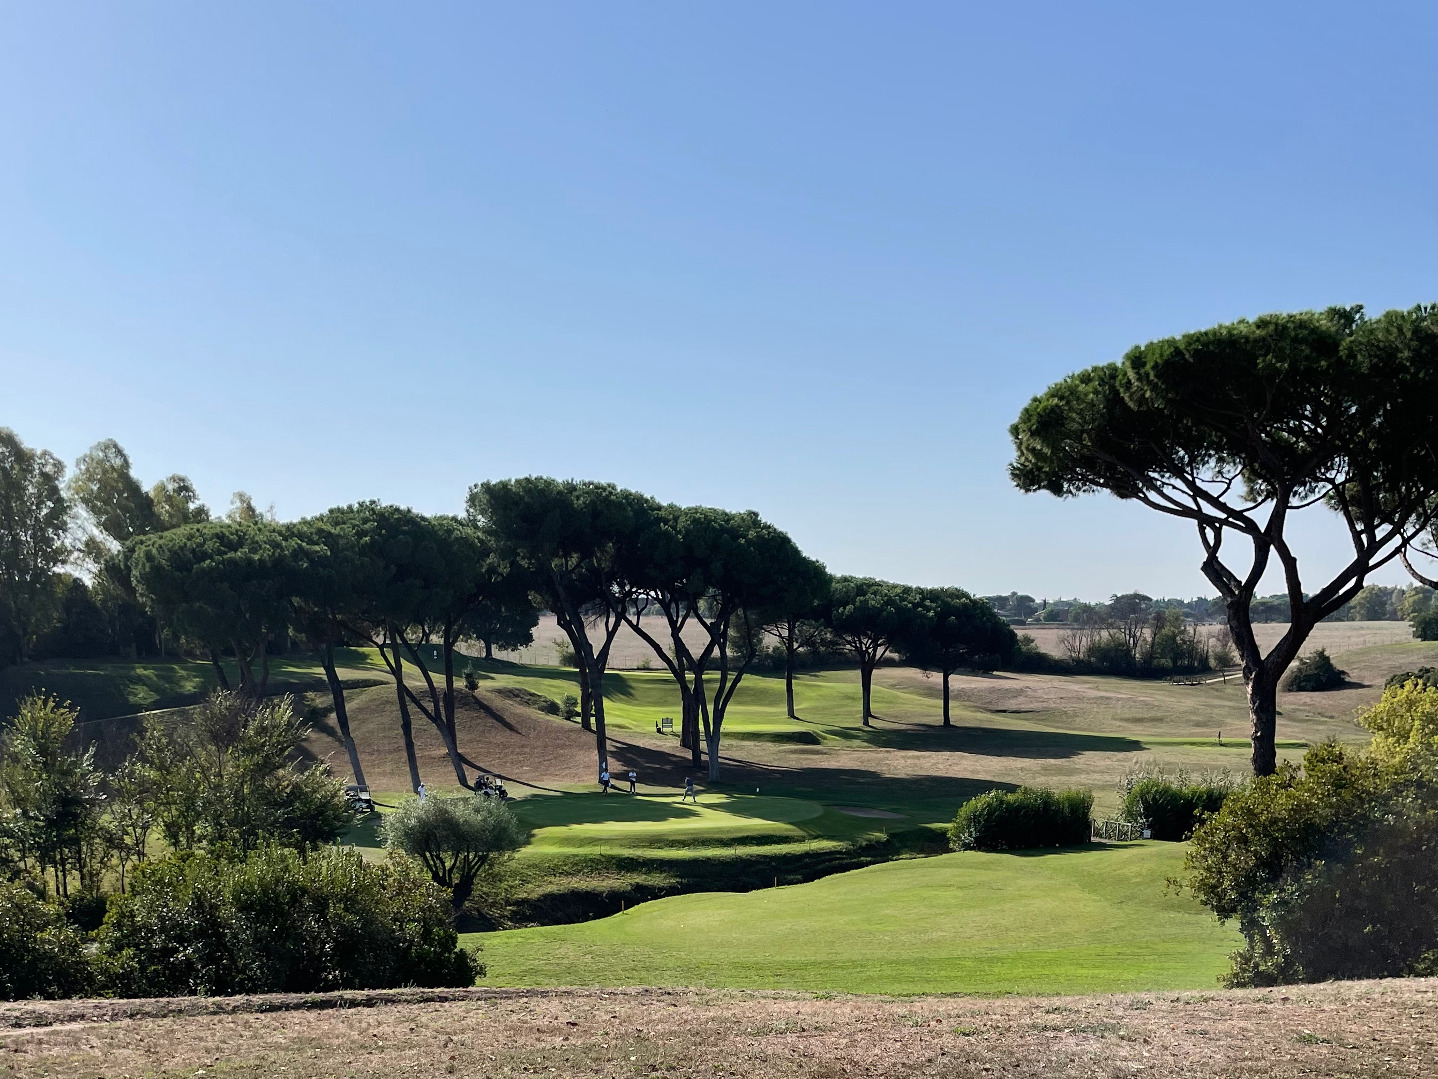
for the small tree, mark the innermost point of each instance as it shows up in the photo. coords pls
(454, 838)
(872, 618)
(223, 776)
(51, 797)
(1239, 427)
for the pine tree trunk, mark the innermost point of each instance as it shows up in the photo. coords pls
(946, 700)
(1263, 711)
(866, 680)
(789, 669)
(342, 717)
(406, 728)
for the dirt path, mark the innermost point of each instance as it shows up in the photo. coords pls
(1339, 1029)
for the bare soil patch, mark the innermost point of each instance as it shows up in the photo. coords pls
(496, 733)
(1340, 1029)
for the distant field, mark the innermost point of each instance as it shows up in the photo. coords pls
(1334, 636)
(1094, 920)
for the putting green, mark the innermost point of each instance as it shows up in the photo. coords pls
(619, 822)
(1099, 919)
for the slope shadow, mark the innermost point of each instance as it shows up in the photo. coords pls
(991, 741)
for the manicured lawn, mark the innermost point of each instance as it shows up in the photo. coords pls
(1100, 919)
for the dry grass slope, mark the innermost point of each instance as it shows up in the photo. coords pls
(1339, 1029)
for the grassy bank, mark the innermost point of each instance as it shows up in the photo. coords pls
(1099, 919)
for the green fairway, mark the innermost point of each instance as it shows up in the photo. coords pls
(1095, 920)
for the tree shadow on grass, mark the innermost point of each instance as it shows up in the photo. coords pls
(990, 741)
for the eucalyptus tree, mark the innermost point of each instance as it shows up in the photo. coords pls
(114, 508)
(33, 543)
(873, 618)
(177, 503)
(960, 630)
(1238, 428)
(227, 585)
(720, 571)
(579, 539)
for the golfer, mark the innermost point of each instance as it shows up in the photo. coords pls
(689, 790)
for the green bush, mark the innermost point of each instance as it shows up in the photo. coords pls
(278, 922)
(1314, 672)
(41, 954)
(1427, 676)
(1173, 804)
(1425, 626)
(1024, 819)
(454, 838)
(1330, 871)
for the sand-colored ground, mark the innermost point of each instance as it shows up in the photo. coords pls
(1334, 636)
(1387, 1028)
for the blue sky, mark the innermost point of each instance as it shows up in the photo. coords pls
(805, 258)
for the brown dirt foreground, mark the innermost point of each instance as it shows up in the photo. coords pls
(1338, 1029)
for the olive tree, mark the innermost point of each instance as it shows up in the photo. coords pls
(454, 838)
(1240, 427)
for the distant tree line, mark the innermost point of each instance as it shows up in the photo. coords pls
(1375, 603)
(109, 567)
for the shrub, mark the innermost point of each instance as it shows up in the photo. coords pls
(454, 838)
(1329, 870)
(471, 679)
(569, 706)
(1425, 626)
(1428, 676)
(41, 954)
(1024, 819)
(1173, 804)
(278, 922)
(225, 774)
(1110, 654)
(1314, 672)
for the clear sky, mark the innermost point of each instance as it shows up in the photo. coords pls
(805, 258)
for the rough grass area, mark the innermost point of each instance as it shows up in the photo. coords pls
(1087, 920)
(105, 689)
(1339, 1029)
